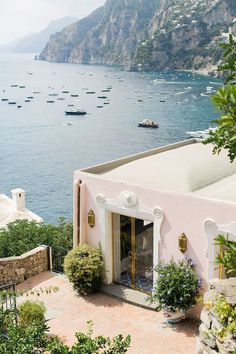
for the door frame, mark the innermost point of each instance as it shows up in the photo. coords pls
(126, 203)
(133, 241)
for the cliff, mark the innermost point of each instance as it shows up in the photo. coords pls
(147, 35)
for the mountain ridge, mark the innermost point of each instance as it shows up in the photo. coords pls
(158, 35)
(35, 42)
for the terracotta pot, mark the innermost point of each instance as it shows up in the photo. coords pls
(174, 316)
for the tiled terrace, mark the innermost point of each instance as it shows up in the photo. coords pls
(68, 313)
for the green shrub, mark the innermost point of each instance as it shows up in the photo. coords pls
(32, 337)
(176, 287)
(21, 236)
(228, 257)
(84, 267)
(31, 311)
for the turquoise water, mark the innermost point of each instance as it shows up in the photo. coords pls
(39, 152)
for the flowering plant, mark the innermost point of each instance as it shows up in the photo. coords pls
(176, 287)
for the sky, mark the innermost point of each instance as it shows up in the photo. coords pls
(21, 17)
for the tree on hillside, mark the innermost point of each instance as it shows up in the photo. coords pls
(225, 102)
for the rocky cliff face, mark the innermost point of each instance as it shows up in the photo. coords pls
(147, 35)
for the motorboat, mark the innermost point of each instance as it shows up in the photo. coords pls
(201, 134)
(76, 112)
(148, 123)
(90, 92)
(11, 102)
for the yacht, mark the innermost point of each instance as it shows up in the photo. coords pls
(201, 134)
(148, 123)
(76, 112)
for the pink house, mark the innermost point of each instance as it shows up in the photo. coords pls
(137, 207)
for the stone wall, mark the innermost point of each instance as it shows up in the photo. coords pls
(209, 342)
(19, 268)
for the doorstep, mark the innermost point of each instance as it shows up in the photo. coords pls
(129, 295)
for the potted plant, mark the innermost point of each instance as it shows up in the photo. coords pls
(84, 267)
(176, 288)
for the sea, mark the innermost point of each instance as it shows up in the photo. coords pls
(40, 146)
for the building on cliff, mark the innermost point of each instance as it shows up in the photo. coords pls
(140, 208)
(13, 209)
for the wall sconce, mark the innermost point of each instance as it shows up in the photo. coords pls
(91, 218)
(183, 243)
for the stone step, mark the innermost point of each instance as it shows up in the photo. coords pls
(129, 295)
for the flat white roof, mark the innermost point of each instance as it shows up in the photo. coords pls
(191, 168)
(8, 213)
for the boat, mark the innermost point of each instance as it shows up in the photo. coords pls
(148, 123)
(36, 92)
(106, 90)
(201, 134)
(162, 101)
(4, 99)
(90, 92)
(14, 85)
(74, 95)
(27, 101)
(76, 112)
(50, 101)
(53, 94)
(30, 97)
(21, 86)
(69, 124)
(61, 98)
(99, 106)
(11, 102)
(103, 97)
(70, 105)
(19, 106)
(65, 91)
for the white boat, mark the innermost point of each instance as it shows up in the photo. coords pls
(148, 123)
(201, 134)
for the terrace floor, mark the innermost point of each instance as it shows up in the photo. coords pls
(69, 313)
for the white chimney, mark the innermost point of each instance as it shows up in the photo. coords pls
(18, 196)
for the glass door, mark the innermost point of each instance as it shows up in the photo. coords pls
(133, 252)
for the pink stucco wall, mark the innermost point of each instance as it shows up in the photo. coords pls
(182, 213)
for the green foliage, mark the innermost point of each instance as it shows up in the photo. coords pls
(16, 338)
(22, 236)
(228, 258)
(85, 344)
(228, 62)
(225, 102)
(31, 311)
(32, 337)
(176, 287)
(225, 136)
(84, 267)
(226, 315)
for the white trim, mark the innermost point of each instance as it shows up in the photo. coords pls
(212, 229)
(126, 203)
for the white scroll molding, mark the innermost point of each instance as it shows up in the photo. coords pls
(212, 229)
